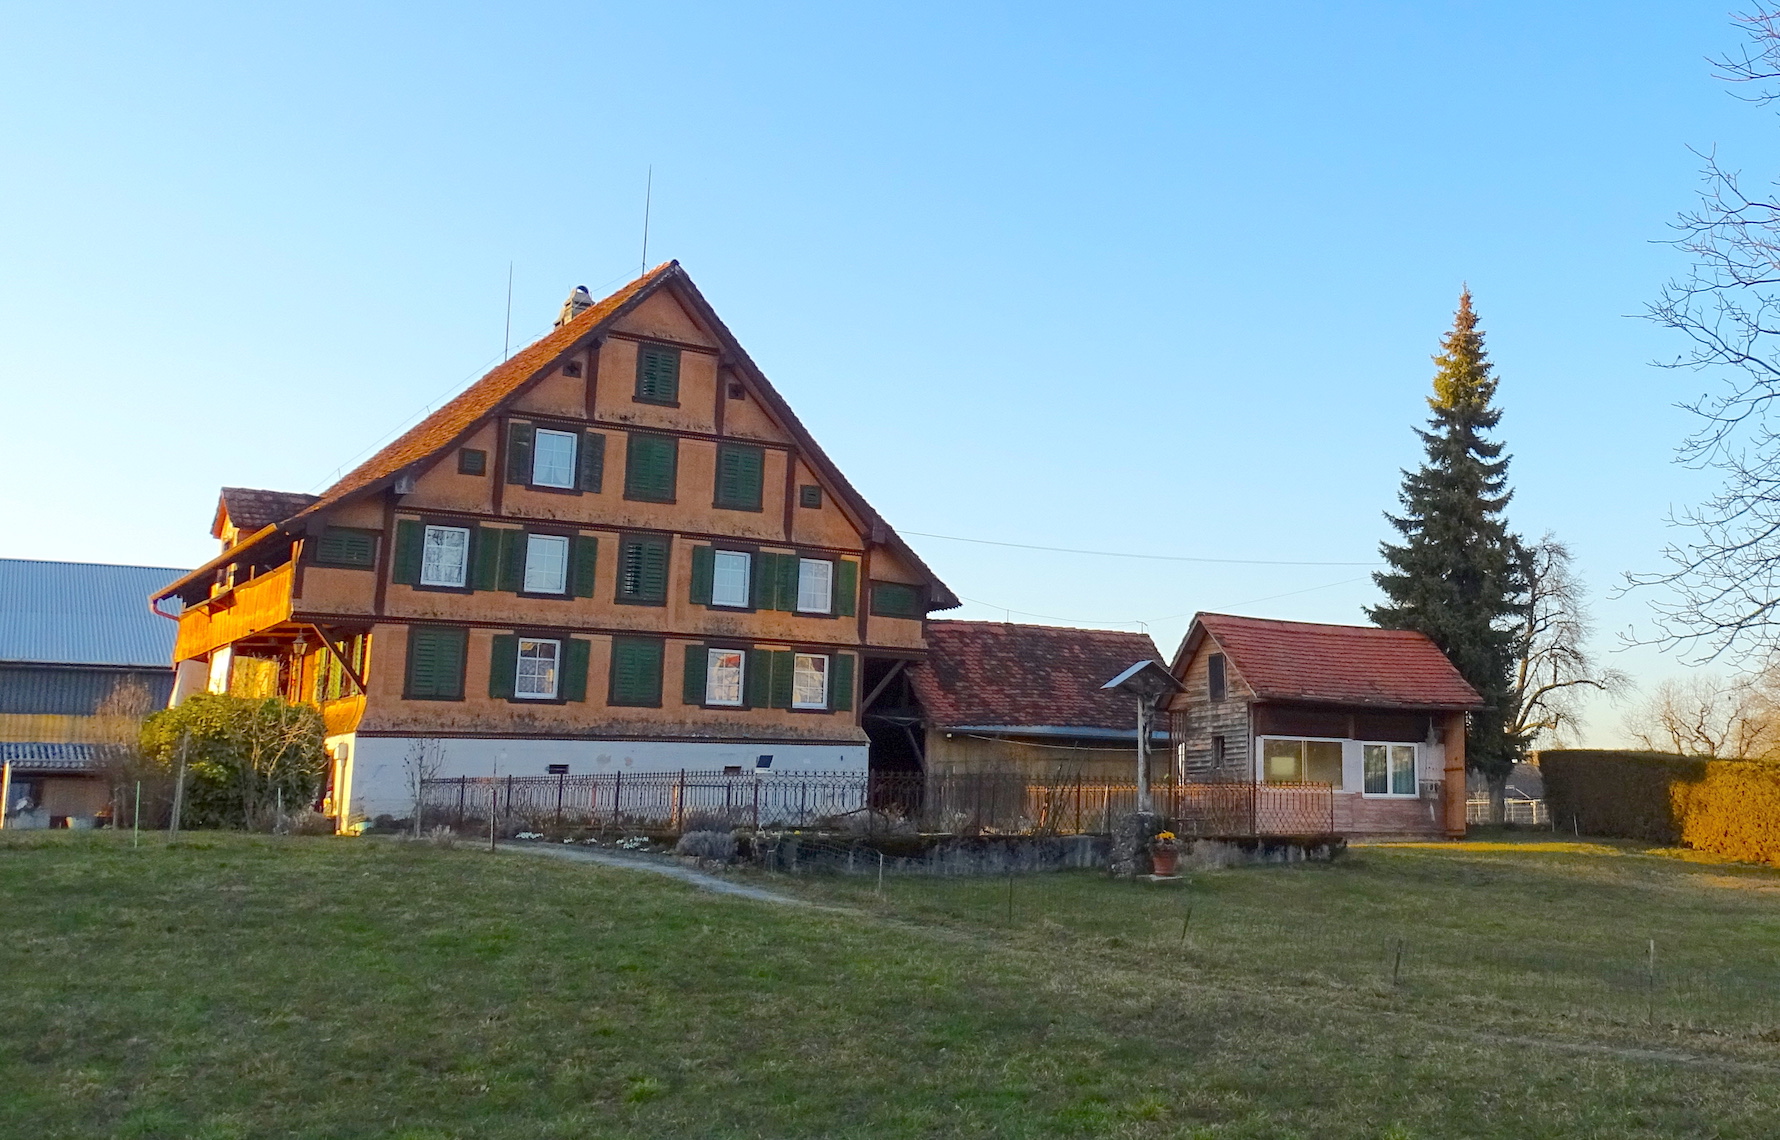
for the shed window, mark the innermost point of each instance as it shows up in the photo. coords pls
(815, 586)
(553, 459)
(1389, 769)
(1286, 761)
(536, 676)
(731, 573)
(1216, 684)
(546, 564)
(445, 555)
(723, 677)
(809, 681)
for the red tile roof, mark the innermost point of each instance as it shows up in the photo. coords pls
(463, 414)
(986, 673)
(1334, 664)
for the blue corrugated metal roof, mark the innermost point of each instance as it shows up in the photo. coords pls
(83, 613)
(48, 757)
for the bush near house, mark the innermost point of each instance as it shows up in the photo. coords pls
(244, 757)
(1730, 807)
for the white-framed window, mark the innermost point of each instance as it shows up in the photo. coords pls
(1300, 760)
(730, 577)
(1389, 769)
(553, 458)
(535, 678)
(809, 681)
(444, 556)
(723, 676)
(815, 586)
(546, 564)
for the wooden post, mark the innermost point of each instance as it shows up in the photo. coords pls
(6, 792)
(179, 788)
(1453, 790)
(1143, 755)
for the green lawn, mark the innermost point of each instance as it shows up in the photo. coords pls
(240, 986)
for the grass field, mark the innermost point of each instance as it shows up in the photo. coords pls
(234, 986)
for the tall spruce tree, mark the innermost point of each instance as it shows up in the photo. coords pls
(1456, 576)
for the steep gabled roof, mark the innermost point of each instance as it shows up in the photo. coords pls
(252, 509)
(985, 674)
(457, 419)
(1333, 664)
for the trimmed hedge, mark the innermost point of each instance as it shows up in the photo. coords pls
(1731, 807)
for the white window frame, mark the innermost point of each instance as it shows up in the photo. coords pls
(538, 468)
(747, 569)
(532, 544)
(799, 672)
(520, 659)
(712, 666)
(807, 578)
(1415, 768)
(429, 564)
(1261, 755)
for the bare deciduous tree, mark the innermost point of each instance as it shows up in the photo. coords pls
(1555, 670)
(422, 763)
(1724, 582)
(1707, 715)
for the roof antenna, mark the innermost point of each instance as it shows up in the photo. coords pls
(507, 336)
(648, 194)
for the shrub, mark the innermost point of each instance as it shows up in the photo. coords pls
(243, 757)
(1731, 807)
(718, 845)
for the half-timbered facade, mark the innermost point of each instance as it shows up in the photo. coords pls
(618, 551)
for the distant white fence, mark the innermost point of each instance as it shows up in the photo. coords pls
(1529, 812)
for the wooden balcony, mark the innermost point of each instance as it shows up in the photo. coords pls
(251, 607)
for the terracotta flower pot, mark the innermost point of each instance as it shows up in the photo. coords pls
(1165, 861)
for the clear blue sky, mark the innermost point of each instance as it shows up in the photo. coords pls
(1157, 278)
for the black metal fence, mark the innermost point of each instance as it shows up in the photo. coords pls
(953, 804)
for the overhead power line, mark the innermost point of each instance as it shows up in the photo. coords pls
(1124, 554)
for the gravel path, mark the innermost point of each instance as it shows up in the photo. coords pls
(658, 865)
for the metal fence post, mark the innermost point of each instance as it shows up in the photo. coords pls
(677, 816)
(756, 803)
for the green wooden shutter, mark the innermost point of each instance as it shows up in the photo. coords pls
(436, 662)
(485, 555)
(840, 682)
(574, 668)
(704, 563)
(636, 672)
(592, 472)
(651, 464)
(658, 374)
(407, 561)
(519, 452)
(692, 681)
(503, 664)
(512, 560)
(346, 546)
(786, 591)
(846, 586)
(739, 475)
(783, 663)
(584, 550)
(757, 676)
(655, 570)
(895, 599)
(760, 586)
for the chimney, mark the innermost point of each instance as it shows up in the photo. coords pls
(579, 302)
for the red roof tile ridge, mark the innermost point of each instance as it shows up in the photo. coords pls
(1283, 623)
(973, 623)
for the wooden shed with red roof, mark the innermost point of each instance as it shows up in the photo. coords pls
(1377, 715)
(1005, 698)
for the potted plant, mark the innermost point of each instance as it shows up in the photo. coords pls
(1164, 853)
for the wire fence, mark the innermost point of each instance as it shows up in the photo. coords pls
(960, 804)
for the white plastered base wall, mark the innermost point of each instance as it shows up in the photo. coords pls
(376, 777)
